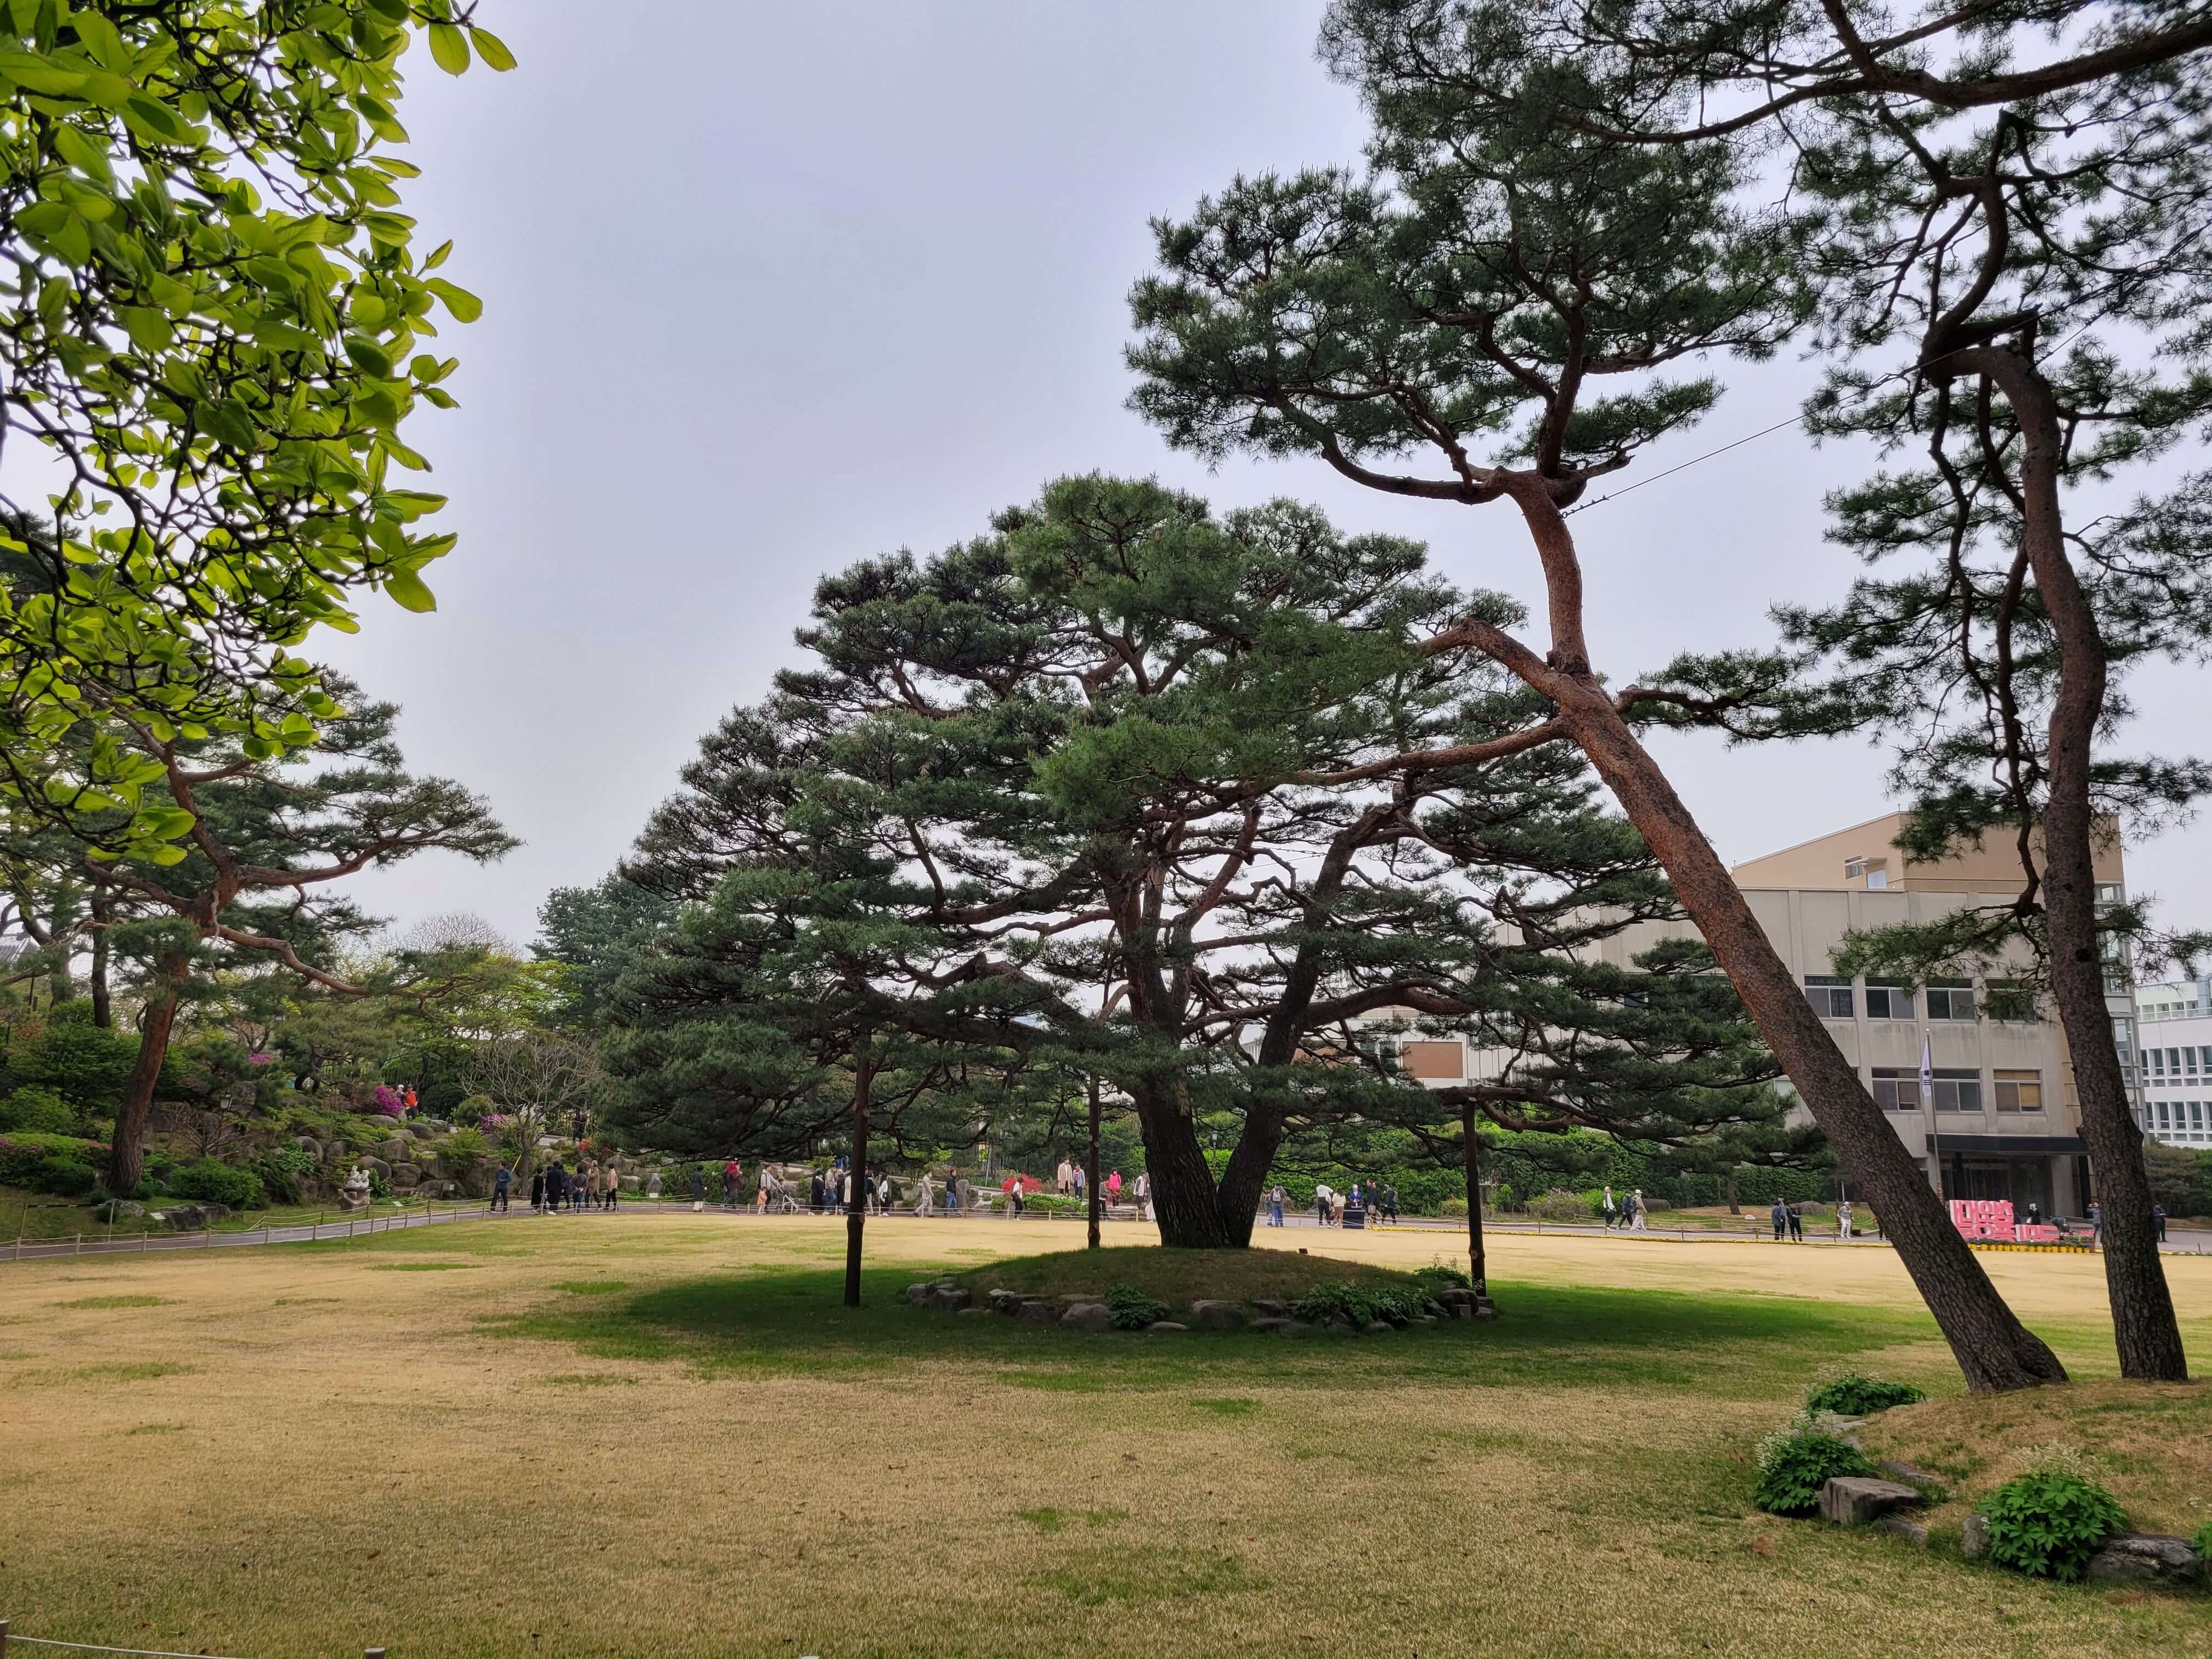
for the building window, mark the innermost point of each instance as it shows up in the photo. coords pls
(1831, 997)
(1896, 1089)
(2174, 1062)
(1950, 999)
(1889, 999)
(2157, 1058)
(2164, 1121)
(2010, 999)
(1958, 1092)
(2020, 1092)
(2196, 1117)
(2189, 1060)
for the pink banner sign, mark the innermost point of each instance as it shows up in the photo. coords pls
(1982, 1218)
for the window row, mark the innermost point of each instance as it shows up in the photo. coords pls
(2164, 1063)
(2177, 1117)
(1832, 997)
(1897, 1089)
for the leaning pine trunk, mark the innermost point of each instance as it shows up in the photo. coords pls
(856, 1189)
(2144, 1327)
(126, 1156)
(1993, 1348)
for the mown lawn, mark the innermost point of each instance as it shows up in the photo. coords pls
(661, 1435)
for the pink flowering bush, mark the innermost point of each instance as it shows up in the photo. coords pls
(388, 1101)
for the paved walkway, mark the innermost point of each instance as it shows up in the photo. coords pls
(367, 1225)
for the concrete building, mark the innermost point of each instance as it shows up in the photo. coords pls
(2005, 1117)
(2177, 1061)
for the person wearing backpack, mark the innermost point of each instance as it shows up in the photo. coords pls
(1779, 1215)
(500, 1180)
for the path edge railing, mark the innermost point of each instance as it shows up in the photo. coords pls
(136, 1653)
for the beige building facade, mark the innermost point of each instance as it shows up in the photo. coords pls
(2003, 1121)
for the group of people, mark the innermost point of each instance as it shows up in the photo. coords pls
(1629, 1215)
(1374, 1200)
(587, 1187)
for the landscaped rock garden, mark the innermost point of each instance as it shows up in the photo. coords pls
(2051, 1521)
(1328, 1309)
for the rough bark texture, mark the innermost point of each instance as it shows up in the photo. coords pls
(1183, 1196)
(856, 1189)
(2144, 1325)
(1993, 1348)
(126, 1156)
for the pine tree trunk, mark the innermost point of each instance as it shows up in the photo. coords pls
(126, 1156)
(103, 1013)
(1182, 1187)
(856, 1189)
(1091, 1199)
(1993, 1348)
(1477, 1267)
(2144, 1325)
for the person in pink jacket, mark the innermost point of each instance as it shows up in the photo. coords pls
(1114, 1187)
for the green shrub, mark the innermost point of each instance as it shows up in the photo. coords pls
(62, 1177)
(2049, 1522)
(41, 1111)
(1437, 1277)
(279, 1185)
(2201, 1541)
(467, 1145)
(1453, 1207)
(1362, 1305)
(1132, 1310)
(23, 1153)
(214, 1182)
(1855, 1395)
(1559, 1206)
(1796, 1462)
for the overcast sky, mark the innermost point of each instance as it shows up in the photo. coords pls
(771, 288)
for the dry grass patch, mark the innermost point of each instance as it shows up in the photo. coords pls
(431, 1464)
(2148, 1443)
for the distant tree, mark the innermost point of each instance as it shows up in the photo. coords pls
(266, 835)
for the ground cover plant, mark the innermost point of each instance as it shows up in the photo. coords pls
(606, 1449)
(1853, 1394)
(2048, 1522)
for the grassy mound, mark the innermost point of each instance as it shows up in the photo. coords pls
(1177, 1278)
(2147, 1443)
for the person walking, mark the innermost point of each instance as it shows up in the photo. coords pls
(1321, 1204)
(2096, 1225)
(1145, 1195)
(1843, 1222)
(732, 1173)
(1390, 1203)
(500, 1179)
(614, 1185)
(2158, 1218)
(698, 1187)
(537, 1190)
(1275, 1205)
(1779, 1215)
(1606, 1206)
(1643, 1210)
(1796, 1223)
(1114, 1187)
(556, 1184)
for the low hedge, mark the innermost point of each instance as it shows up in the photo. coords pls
(64, 1165)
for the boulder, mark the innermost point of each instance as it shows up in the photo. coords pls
(406, 1175)
(1910, 1476)
(964, 1312)
(1216, 1315)
(374, 1165)
(1897, 1525)
(1268, 1308)
(1378, 1327)
(397, 1150)
(944, 1298)
(1273, 1322)
(1037, 1310)
(1859, 1500)
(310, 1145)
(1087, 1317)
(1165, 1327)
(2145, 1558)
(919, 1294)
(1974, 1537)
(121, 1209)
(351, 1202)
(188, 1218)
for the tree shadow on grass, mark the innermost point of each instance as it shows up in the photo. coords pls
(788, 1322)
